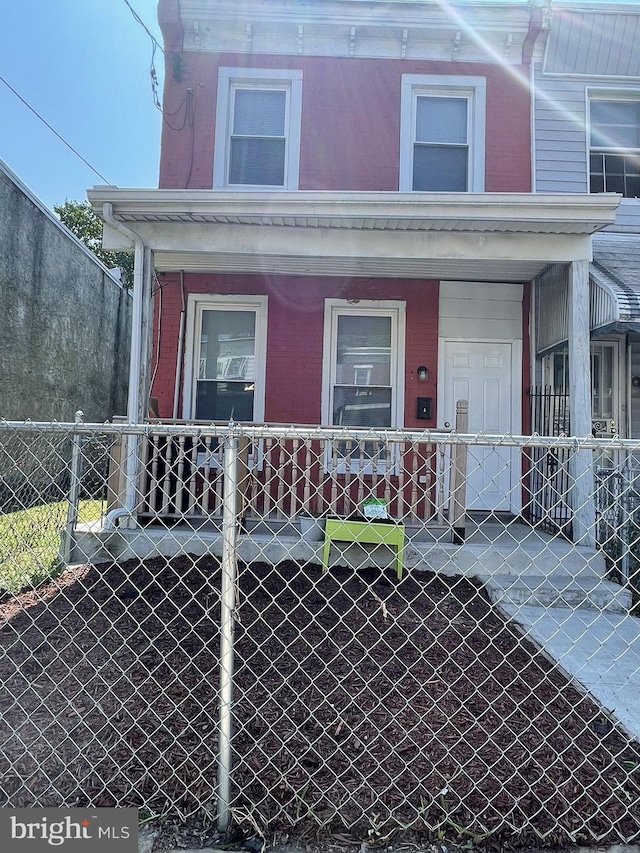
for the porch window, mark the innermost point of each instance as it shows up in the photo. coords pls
(364, 360)
(362, 397)
(258, 129)
(614, 145)
(442, 133)
(603, 378)
(228, 355)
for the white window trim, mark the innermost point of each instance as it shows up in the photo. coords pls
(594, 93)
(196, 304)
(617, 389)
(475, 90)
(333, 308)
(615, 378)
(271, 78)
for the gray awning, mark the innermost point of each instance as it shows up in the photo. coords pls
(615, 273)
(598, 44)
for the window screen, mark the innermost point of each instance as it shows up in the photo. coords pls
(258, 139)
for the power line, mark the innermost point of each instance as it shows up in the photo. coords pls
(53, 130)
(143, 25)
(154, 45)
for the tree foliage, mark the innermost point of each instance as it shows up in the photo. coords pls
(80, 219)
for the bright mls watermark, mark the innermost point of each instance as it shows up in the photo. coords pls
(79, 830)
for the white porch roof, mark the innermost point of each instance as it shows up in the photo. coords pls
(478, 237)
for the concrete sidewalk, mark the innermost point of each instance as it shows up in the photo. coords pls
(600, 650)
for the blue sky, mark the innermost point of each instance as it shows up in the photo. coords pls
(84, 66)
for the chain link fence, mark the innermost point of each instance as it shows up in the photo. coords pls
(322, 633)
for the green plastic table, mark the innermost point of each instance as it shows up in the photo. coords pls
(364, 532)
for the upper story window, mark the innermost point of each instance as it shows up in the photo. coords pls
(257, 144)
(614, 145)
(442, 133)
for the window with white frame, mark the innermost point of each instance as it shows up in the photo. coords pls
(442, 133)
(257, 143)
(614, 144)
(604, 358)
(226, 355)
(364, 365)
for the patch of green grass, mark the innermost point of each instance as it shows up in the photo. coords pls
(30, 543)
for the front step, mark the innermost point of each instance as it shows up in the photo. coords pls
(539, 558)
(559, 590)
(519, 559)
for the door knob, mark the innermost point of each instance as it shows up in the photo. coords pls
(447, 424)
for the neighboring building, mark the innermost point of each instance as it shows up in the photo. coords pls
(345, 198)
(587, 139)
(65, 324)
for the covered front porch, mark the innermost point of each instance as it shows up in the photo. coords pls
(356, 311)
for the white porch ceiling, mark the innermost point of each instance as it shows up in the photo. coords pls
(419, 268)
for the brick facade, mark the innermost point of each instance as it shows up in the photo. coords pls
(295, 337)
(350, 136)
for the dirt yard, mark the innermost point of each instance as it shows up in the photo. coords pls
(365, 710)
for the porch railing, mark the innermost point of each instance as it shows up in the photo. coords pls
(283, 471)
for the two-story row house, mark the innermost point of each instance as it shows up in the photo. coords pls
(356, 227)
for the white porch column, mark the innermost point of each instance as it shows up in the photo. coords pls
(581, 464)
(146, 335)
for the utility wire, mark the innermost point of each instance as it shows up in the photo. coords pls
(143, 25)
(45, 122)
(155, 44)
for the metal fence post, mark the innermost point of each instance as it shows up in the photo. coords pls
(227, 625)
(74, 490)
(458, 508)
(626, 522)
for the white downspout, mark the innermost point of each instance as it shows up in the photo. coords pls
(133, 401)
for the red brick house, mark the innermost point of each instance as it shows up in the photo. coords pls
(345, 232)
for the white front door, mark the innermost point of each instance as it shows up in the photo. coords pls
(482, 373)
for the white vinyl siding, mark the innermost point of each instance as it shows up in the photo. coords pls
(552, 307)
(561, 150)
(560, 136)
(485, 311)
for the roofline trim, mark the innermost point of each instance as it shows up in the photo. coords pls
(588, 211)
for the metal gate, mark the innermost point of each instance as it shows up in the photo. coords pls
(549, 480)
